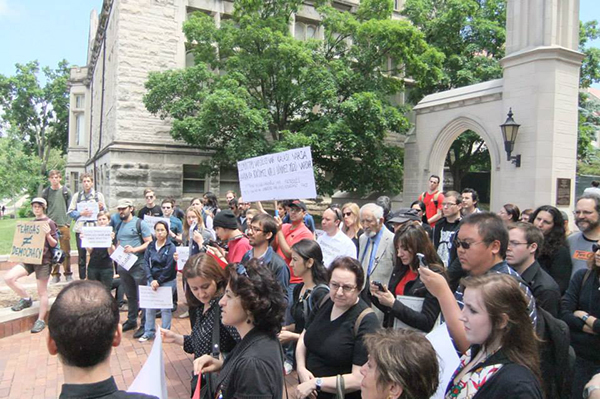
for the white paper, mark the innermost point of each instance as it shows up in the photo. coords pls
(162, 298)
(151, 221)
(151, 379)
(183, 254)
(96, 236)
(282, 175)
(89, 205)
(123, 259)
(411, 302)
(447, 357)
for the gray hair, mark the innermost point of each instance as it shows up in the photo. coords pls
(375, 209)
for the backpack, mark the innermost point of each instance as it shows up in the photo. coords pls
(65, 193)
(81, 194)
(435, 197)
(308, 305)
(138, 227)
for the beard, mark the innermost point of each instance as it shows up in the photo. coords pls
(123, 217)
(586, 226)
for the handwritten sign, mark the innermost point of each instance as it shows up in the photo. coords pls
(152, 220)
(151, 379)
(96, 237)
(123, 259)
(278, 176)
(162, 298)
(28, 243)
(183, 254)
(91, 206)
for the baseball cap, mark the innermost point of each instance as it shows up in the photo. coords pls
(299, 204)
(404, 215)
(124, 203)
(39, 200)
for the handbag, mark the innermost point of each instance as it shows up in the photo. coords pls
(339, 387)
(209, 388)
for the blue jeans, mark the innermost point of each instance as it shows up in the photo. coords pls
(150, 327)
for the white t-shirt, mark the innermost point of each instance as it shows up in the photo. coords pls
(338, 245)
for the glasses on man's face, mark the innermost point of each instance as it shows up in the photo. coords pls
(345, 288)
(595, 247)
(516, 243)
(254, 229)
(448, 204)
(464, 244)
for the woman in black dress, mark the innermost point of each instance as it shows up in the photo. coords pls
(255, 305)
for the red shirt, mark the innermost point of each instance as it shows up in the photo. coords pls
(408, 277)
(430, 208)
(237, 249)
(291, 237)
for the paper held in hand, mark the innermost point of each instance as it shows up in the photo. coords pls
(91, 206)
(123, 259)
(183, 254)
(152, 220)
(162, 298)
(96, 236)
(411, 302)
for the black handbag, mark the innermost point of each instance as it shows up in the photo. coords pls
(209, 385)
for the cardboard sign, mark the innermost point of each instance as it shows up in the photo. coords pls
(96, 237)
(28, 243)
(283, 175)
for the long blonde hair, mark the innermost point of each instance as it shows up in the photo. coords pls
(355, 211)
(186, 226)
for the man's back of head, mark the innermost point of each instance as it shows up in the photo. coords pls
(82, 323)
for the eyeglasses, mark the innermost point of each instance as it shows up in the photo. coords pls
(447, 204)
(595, 247)
(585, 213)
(241, 270)
(463, 244)
(254, 229)
(149, 196)
(516, 243)
(345, 288)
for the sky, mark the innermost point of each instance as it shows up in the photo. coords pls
(50, 31)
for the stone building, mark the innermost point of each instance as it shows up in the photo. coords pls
(111, 134)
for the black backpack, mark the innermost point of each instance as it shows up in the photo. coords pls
(138, 227)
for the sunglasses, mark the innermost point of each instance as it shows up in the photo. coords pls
(466, 245)
(595, 247)
(347, 213)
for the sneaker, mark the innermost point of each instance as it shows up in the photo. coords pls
(288, 367)
(138, 334)
(145, 338)
(184, 315)
(38, 326)
(68, 278)
(22, 304)
(55, 280)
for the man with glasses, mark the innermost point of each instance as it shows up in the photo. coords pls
(446, 228)
(151, 209)
(261, 233)
(524, 243)
(334, 242)
(175, 225)
(587, 218)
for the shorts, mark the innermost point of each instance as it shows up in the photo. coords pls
(42, 272)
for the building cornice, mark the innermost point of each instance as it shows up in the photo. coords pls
(99, 38)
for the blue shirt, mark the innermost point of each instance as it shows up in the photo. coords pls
(375, 242)
(127, 233)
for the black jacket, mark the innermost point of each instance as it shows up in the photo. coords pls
(103, 389)
(423, 320)
(558, 266)
(543, 287)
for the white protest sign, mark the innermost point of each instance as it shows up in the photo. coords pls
(151, 221)
(283, 175)
(96, 236)
(88, 206)
(183, 254)
(151, 379)
(412, 302)
(123, 259)
(447, 357)
(162, 298)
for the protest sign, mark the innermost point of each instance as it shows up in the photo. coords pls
(162, 298)
(96, 236)
(151, 380)
(283, 175)
(91, 206)
(123, 259)
(183, 254)
(151, 221)
(448, 359)
(28, 243)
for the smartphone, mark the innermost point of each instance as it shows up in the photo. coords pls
(378, 284)
(422, 261)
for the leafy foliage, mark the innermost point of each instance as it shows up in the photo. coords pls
(255, 89)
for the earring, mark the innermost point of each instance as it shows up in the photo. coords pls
(248, 321)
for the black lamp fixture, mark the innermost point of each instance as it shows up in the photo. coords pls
(510, 128)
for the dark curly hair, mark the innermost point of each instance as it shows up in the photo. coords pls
(260, 294)
(556, 237)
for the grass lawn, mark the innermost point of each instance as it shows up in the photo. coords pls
(7, 231)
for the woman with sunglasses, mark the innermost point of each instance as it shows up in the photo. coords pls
(406, 283)
(580, 309)
(331, 350)
(255, 305)
(206, 280)
(351, 222)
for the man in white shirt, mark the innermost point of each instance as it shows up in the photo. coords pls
(334, 242)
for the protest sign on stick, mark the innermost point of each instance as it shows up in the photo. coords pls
(283, 175)
(96, 236)
(28, 243)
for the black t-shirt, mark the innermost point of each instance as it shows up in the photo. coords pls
(100, 259)
(332, 348)
(154, 211)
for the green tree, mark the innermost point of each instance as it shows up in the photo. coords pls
(19, 170)
(36, 113)
(255, 89)
(468, 153)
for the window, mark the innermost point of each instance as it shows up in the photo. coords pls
(229, 181)
(80, 128)
(79, 101)
(194, 180)
(305, 31)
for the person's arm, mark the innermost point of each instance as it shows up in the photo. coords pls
(72, 211)
(329, 384)
(438, 287)
(435, 217)
(280, 240)
(170, 337)
(570, 302)
(147, 266)
(101, 202)
(260, 208)
(303, 373)
(51, 236)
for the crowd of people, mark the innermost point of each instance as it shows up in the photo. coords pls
(347, 306)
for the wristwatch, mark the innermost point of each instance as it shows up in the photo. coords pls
(588, 391)
(585, 317)
(318, 384)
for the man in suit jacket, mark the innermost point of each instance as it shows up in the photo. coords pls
(376, 250)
